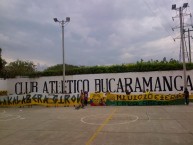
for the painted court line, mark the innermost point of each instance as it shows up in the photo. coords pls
(135, 118)
(7, 117)
(12, 117)
(2, 112)
(91, 139)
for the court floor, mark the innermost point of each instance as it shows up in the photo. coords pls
(102, 125)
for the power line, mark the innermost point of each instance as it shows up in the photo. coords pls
(148, 6)
(168, 32)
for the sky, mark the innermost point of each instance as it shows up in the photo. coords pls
(100, 32)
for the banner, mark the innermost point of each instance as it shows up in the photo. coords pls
(63, 100)
(3, 93)
(144, 99)
(95, 99)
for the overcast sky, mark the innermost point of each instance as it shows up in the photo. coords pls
(101, 32)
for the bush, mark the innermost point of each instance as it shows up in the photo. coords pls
(137, 67)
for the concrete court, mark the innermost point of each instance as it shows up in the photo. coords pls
(109, 125)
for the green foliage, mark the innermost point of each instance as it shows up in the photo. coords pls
(1, 62)
(57, 70)
(2, 66)
(19, 68)
(22, 68)
(140, 66)
(59, 67)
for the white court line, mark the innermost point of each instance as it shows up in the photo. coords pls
(125, 122)
(2, 112)
(148, 116)
(15, 117)
(5, 115)
(22, 118)
(12, 117)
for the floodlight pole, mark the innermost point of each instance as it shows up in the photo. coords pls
(63, 52)
(63, 55)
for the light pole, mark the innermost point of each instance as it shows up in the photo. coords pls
(62, 22)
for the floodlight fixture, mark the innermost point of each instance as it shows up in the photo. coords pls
(185, 5)
(174, 7)
(67, 19)
(55, 20)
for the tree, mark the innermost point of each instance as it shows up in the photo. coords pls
(59, 67)
(1, 61)
(20, 68)
(2, 65)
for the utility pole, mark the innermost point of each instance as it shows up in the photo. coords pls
(190, 52)
(182, 41)
(189, 45)
(180, 9)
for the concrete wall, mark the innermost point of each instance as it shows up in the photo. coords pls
(3, 85)
(136, 82)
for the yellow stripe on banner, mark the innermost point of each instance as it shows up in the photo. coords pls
(91, 139)
(191, 97)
